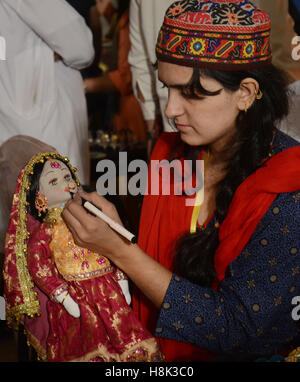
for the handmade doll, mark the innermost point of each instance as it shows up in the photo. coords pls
(86, 316)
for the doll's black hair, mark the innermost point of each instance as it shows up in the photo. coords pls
(34, 180)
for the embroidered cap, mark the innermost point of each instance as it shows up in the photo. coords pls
(222, 35)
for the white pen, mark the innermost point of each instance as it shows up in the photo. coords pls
(114, 225)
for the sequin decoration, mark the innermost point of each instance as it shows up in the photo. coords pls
(139, 355)
(55, 164)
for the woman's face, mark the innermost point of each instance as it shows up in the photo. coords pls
(102, 6)
(204, 121)
(56, 183)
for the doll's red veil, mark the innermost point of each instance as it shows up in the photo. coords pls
(18, 286)
(23, 299)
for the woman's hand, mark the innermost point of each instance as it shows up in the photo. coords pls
(91, 232)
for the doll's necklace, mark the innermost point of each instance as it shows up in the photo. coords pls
(54, 214)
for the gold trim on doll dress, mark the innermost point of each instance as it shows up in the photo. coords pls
(30, 305)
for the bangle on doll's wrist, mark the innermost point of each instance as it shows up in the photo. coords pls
(63, 300)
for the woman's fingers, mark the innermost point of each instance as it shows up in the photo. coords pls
(77, 199)
(104, 205)
(93, 197)
(90, 231)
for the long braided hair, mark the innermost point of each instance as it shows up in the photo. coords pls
(194, 254)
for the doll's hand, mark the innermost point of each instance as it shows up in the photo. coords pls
(70, 305)
(125, 289)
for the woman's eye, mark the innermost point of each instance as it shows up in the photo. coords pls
(191, 95)
(53, 182)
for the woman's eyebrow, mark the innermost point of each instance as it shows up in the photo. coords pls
(174, 86)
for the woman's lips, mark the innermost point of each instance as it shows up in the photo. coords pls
(183, 127)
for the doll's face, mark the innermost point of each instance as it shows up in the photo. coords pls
(56, 183)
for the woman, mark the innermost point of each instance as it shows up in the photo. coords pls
(221, 276)
(118, 81)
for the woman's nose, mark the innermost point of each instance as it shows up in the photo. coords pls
(174, 106)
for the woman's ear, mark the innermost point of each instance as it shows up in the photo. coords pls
(247, 93)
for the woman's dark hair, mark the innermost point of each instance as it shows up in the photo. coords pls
(194, 253)
(34, 180)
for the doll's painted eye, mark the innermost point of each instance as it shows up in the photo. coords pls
(53, 182)
(67, 177)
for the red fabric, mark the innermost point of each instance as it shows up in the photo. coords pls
(254, 197)
(129, 115)
(12, 286)
(164, 219)
(157, 237)
(107, 328)
(40, 263)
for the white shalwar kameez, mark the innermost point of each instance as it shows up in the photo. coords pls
(40, 97)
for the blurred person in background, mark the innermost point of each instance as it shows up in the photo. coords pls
(129, 116)
(41, 87)
(40, 84)
(146, 18)
(282, 38)
(87, 9)
(294, 9)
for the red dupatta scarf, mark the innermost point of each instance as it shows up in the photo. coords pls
(254, 196)
(165, 218)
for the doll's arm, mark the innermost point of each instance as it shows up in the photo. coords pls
(43, 270)
(125, 289)
(70, 305)
(44, 273)
(124, 284)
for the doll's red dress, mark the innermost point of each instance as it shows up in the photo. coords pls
(107, 329)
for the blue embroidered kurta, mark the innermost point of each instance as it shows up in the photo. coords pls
(251, 312)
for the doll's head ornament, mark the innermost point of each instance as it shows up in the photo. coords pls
(54, 164)
(20, 297)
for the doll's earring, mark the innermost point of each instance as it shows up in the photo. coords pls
(41, 203)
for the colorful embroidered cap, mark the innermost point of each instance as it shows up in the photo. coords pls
(222, 35)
